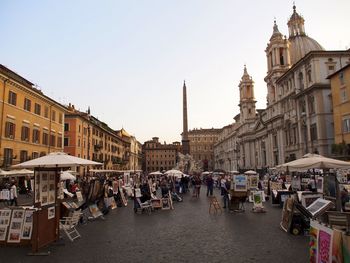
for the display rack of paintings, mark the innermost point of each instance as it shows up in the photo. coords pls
(27, 227)
(5, 217)
(16, 226)
(45, 187)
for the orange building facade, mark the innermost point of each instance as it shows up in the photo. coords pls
(31, 124)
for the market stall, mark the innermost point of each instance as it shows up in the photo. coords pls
(38, 225)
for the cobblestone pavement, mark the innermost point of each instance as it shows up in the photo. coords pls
(186, 234)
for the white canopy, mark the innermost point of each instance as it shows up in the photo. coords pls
(234, 172)
(250, 172)
(21, 172)
(155, 173)
(173, 172)
(66, 175)
(56, 159)
(310, 161)
(205, 173)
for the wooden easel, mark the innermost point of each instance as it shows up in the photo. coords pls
(214, 206)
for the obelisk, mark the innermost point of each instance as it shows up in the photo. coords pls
(185, 141)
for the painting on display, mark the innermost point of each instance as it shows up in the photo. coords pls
(5, 216)
(254, 179)
(3, 232)
(51, 212)
(15, 230)
(165, 204)
(258, 198)
(296, 184)
(122, 196)
(240, 183)
(319, 184)
(308, 199)
(51, 187)
(287, 214)
(27, 228)
(318, 206)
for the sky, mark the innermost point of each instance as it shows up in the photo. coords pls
(127, 60)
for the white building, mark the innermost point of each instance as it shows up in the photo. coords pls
(298, 118)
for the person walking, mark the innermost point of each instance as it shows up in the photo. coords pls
(210, 185)
(13, 193)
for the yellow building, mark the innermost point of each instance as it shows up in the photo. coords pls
(340, 84)
(31, 124)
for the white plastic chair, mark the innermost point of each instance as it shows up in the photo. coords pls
(68, 225)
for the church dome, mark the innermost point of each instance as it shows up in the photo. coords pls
(300, 43)
(300, 46)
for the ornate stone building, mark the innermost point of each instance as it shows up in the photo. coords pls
(31, 124)
(298, 118)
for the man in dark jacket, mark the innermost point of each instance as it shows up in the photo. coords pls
(210, 185)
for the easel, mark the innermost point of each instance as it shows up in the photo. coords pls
(214, 205)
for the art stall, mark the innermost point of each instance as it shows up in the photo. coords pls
(38, 225)
(256, 195)
(238, 192)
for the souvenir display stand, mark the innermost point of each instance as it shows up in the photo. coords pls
(40, 227)
(37, 226)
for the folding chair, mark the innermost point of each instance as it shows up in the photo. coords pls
(144, 207)
(68, 224)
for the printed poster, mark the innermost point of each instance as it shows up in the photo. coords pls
(324, 246)
(313, 247)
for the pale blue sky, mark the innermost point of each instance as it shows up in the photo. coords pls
(127, 59)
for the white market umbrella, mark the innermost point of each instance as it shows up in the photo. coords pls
(56, 159)
(156, 173)
(250, 172)
(205, 173)
(173, 172)
(310, 161)
(234, 172)
(65, 175)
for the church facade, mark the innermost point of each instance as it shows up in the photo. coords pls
(298, 118)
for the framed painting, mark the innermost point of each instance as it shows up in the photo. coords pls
(240, 183)
(165, 204)
(51, 212)
(156, 203)
(308, 199)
